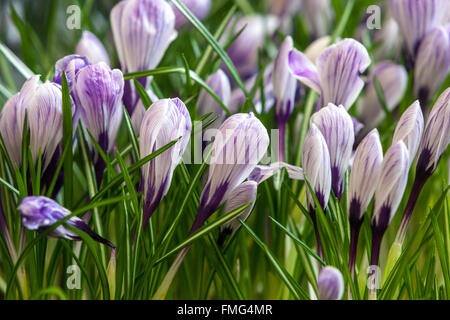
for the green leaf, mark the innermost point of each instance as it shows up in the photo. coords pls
(67, 140)
(16, 62)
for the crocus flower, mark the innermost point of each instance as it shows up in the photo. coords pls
(244, 50)
(42, 102)
(92, 48)
(393, 80)
(239, 145)
(70, 64)
(435, 141)
(363, 180)
(387, 39)
(415, 18)
(284, 87)
(316, 166)
(336, 126)
(165, 121)
(388, 193)
(330, 284)
(142, 30)
(220, 85)
(432, 64)
(241, 195)
(318, 14)
(409, 129)
(40, 213)
(200, 9)
(336, 72)
(98, 92)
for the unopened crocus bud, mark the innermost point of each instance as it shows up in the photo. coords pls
(98, 93)
(165, 121)
(92, 48)
(416, 17)
(409, 129)
(388, 193)
(432, 64)
(362, 183)
(330, 284)
(40, 213)
(316, 166)
(244, 50)
(239, 145)
(319, 15)
(387, 39)
(200, 9)
(142, 30)
(241, 195)
(42, 102)
(336, 74)
(393, 80)
(336, 126)
(220, 85)
(435, 141)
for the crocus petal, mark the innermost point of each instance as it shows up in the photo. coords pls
(336, 126)
(330, 284)
(262, 173)
(391, 185)
(284, 83)
(416, 17)
(39, 213)
(199, 8)
(409, 129)
(220, 85)
(70, 65)
(393, 80)
(364, 175)
(316, 166)
(241, 195)
(11, 127)
(165, 121)
(98, 92)
(239, 145)
(339, 68)
(304, 70)
(92, 48)
(432, 64)
(436, 136)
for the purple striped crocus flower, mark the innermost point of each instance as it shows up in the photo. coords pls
(415, 18)
(70, 64)
(142, 30)
(436, 139)
(98, 92)
(336, 126)
(241, 195)
(393, 80)
(330, 284)
(388, 193)
(409, 129)
(40, 213)
(200, 9)
(92, 48)
(336, 74)
(165, 121)
(362, 183)
(42, 102)
(220, 85)
(239, 146)
(284, 88)
(432, 64)
(316, 167)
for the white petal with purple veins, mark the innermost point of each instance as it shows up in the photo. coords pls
(91, 47)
